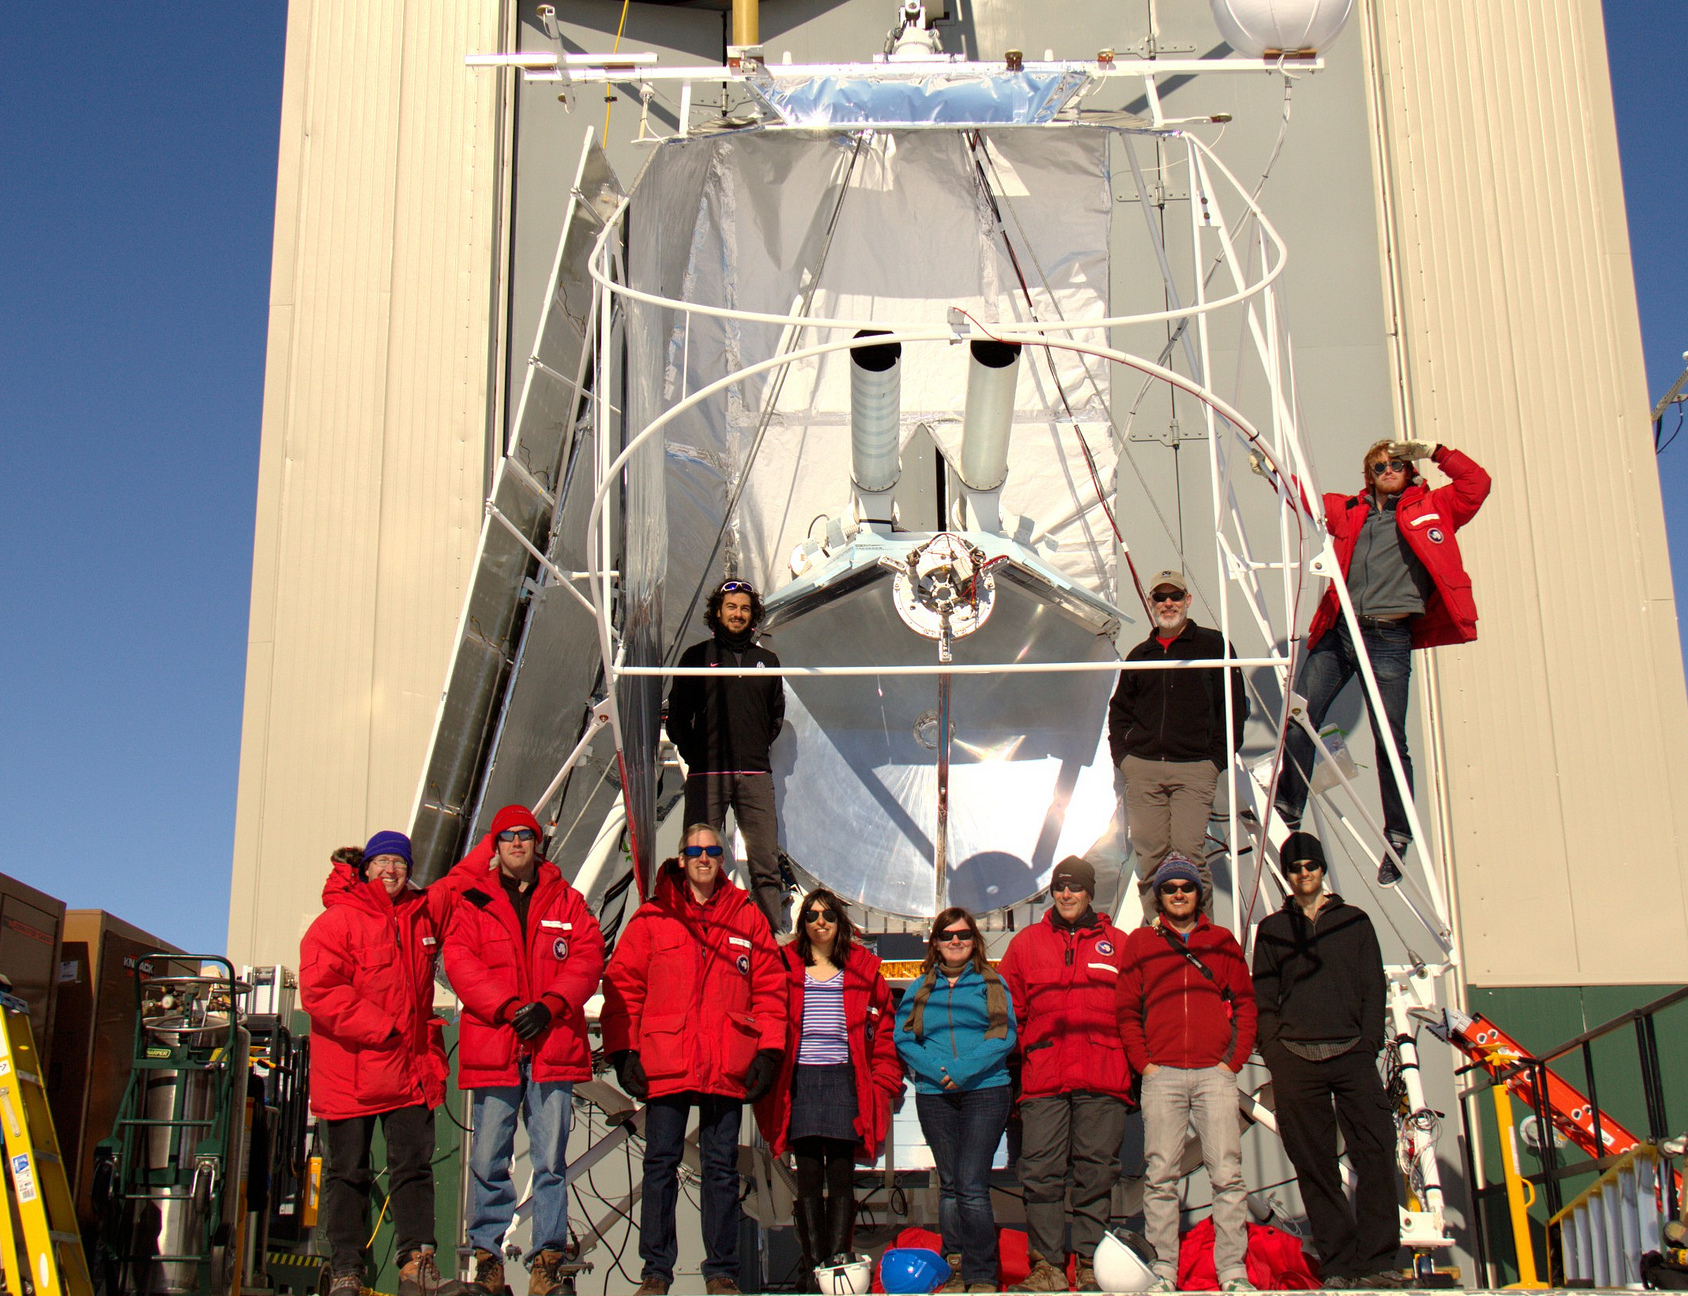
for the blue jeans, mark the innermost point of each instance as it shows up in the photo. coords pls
(544, 1108)
(717, 1143)
(1323, 674)
(963, 1129)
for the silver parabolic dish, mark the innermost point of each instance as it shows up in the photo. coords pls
(1030, 776)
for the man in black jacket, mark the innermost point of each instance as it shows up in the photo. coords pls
(1167, 733)
(723, 729)
(1319, 986)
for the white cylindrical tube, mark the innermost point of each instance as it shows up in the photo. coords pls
(876, 399)
(990, 412)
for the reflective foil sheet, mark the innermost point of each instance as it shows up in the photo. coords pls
(940, 99)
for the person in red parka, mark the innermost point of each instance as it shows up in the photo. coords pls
(524, 954)
(1187, 1014)
(832, 1100)
(1401, 564)
(1075, 1083)
(366, 978)
(694, 1015)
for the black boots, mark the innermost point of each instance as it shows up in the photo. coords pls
(840, 1228)
(809, 1216)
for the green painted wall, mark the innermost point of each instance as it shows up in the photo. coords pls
(1542, 1018)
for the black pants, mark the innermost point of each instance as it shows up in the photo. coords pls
(343, 1214)
(1357, 1242)
(1077, 1132)
(751, 797)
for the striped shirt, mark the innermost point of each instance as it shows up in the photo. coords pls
(826, 1041)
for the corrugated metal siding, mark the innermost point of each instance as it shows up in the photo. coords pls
(375, 417)
(1565, 728)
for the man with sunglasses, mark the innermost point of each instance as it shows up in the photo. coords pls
(1063, 974)
(524, 954)
(1169, 737)
(1401, 563)
(1320, 987)
(1186, 1012)
(694, 1016)
(723, 729)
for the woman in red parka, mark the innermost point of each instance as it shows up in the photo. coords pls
(832, 1101)
(366, 977)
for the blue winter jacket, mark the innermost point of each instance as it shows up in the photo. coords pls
(955, 1044)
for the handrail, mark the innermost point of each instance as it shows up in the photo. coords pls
(1622, 1019)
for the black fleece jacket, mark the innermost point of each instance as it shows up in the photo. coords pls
(1176, 715)
(726, 726)
(1321, 980)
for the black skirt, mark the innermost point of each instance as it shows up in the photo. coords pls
(823, 1102)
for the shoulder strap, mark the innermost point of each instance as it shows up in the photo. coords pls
(1183, 947)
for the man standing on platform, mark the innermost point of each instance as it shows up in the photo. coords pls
(723, 729)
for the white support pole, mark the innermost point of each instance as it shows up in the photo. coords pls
(1403, 997)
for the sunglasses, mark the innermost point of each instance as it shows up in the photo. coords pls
(1389, 465)
(516, 835)
(1178, 888)
(1067, 887)
(1303, 866)
(953, 936)
(737, 587)
(692, 852)
(821, 915)
(1166, 596)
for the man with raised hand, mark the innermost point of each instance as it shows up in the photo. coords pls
(524, 954)
(694, 1016)
(1186, 1013)
(723, 729)
(1401, 562)
(1320, 987)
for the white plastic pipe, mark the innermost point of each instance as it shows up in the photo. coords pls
(990, 412)
(876, 399)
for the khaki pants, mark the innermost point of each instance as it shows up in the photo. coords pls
(1174, 1100)
(1167, 805)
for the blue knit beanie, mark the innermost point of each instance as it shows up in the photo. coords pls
(1175, 868)
(389, 843)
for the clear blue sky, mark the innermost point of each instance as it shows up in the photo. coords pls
(137, 168)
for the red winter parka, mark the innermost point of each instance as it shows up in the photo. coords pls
(495, 968)
(869, 1018)
(1063, 982)
(696, 990)
(1428, 519)
(1170, 1014)
(366, 977)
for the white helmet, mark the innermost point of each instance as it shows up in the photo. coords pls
(1120, 1265)
(851, 1279)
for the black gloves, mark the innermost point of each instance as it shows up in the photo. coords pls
(764, 1070)
(530, 1019)
(631, 1073)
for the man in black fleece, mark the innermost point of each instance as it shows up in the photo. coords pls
(1319, 986)
(723, 729)
(1168, 735)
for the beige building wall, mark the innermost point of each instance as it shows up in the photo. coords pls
(1561, 736)
(383, 297)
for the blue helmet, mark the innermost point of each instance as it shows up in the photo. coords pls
(912, 1270)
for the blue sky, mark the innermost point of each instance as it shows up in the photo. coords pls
(137, 168)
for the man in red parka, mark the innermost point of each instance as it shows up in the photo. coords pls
(524, 954)
(1186, 1013)
(1402, 566)
(1063, 975)
(366, 978)
(694, 1015)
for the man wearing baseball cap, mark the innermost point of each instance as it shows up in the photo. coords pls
(1320, 988)
(1186, 1012)
(524, 954)
(1171, 734)
(1062, 976)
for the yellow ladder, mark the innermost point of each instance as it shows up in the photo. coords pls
(35, 1171)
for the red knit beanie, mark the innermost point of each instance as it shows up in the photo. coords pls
(515, 816)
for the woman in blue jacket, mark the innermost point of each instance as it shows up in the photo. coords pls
(955, 1030)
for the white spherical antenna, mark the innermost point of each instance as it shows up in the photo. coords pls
(1260, 28)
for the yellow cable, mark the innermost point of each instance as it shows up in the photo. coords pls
(614, 49)
(383, 1215)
